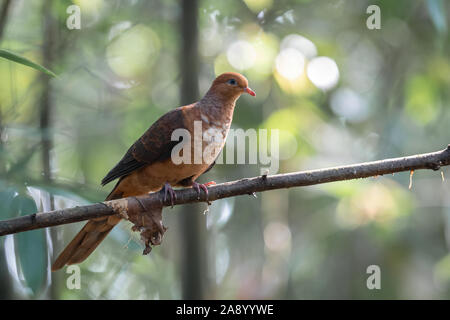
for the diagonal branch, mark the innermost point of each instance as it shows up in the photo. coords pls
(434, 161)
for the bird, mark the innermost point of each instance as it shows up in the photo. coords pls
(149, 166)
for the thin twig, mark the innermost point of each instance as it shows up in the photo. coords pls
(434, 161)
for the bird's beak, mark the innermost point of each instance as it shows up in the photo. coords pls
(250, 91)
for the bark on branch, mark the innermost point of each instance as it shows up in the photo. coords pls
(434, 161)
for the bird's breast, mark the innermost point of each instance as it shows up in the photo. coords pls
(214, 138)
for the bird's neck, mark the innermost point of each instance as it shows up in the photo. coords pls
(217, 107)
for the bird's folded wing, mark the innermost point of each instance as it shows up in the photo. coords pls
(154, 145)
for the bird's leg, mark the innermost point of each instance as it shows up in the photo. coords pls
(168, 190)
(148, 221)
(141, 223)
(203, 186)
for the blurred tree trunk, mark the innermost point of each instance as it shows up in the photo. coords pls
(193, 228)
(4, 9)
(46, 103)
(46, 107)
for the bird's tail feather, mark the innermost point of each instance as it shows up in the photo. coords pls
(86, 241)
(88, 238)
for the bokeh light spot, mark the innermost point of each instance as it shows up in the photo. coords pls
(131, 53)
(302, 44)
(241, 55)
(258, 5)
(277, 236)
(323, 72)
(349, 104)
(89, 6)
(290, 63)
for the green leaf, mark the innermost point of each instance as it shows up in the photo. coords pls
(22, 60)
(31, 246)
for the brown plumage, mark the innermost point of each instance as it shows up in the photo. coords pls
(147, 166)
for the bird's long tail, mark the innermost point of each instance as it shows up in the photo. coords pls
(88, 238)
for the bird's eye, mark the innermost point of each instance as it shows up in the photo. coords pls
(232, 82)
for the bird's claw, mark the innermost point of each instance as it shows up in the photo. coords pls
(148, 222)
(168, 190)
(204, 187)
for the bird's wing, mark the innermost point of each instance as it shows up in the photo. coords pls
(154, 145)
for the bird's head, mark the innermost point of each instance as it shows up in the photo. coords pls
(231, 85)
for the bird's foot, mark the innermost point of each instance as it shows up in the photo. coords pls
(149, 211)
(203, 186)
(168, 191)
(148, 221)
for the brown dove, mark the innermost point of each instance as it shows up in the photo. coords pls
(149, 164)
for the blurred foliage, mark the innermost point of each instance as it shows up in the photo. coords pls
(338, 92)
(30, 246)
